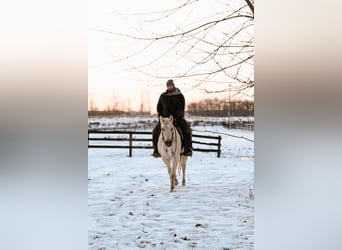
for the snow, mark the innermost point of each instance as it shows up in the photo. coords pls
(130, 206)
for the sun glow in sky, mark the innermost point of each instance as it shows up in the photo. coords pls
(130, 83)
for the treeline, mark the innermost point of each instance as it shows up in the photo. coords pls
(220, 108)
(117, 113)
(206, 107)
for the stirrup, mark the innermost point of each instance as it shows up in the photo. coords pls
(155, 154)
(187, 153)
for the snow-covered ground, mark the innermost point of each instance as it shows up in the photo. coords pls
(130, 206)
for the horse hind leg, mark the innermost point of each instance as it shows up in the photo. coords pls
(183, 164)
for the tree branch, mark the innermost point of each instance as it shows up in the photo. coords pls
(251, 6)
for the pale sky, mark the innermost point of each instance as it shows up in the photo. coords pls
(111, 80)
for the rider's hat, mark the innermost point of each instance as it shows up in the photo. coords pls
(170, 83)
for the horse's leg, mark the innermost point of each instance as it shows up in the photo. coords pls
(175, 164)
(168, 165)
(183, 164)
(169, 169)
(176, 167)
(172, 177)
(172, 180)
(172, 183)
(173, 174)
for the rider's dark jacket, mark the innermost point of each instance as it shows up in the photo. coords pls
(171, 103)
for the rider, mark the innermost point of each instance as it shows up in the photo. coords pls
(172, 102)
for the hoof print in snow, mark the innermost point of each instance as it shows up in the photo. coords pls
(142, 245)
(96, 237)
(130, 213)
(185, 238)
(201, 225)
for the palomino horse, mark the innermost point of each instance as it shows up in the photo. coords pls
(170, 149)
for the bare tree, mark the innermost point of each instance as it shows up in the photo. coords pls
(115, 102)
(91, 106)
(216, 48)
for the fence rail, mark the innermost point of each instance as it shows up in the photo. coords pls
(130, 139)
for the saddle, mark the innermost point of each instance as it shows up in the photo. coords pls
(177, 126)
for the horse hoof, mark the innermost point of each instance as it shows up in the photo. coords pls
(176, 182)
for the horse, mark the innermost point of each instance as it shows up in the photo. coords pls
(170, 149)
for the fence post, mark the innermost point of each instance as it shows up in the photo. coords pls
(130, 144)
(219, 147)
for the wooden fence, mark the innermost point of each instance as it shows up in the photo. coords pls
(145, 140)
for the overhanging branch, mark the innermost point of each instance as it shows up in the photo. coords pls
(251, 6)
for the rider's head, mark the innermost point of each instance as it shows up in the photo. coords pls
(170, 85)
